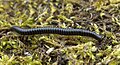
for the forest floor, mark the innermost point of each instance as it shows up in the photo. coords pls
(102, 17)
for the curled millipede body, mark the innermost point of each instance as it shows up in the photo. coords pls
(61, 31)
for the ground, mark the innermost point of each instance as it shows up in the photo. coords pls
(102, 17)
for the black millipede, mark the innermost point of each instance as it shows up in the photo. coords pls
(61, 31)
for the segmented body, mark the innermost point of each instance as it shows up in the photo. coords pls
(60, 31)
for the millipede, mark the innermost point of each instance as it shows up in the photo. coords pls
(61, 31)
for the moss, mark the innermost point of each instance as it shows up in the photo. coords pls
(99, 16)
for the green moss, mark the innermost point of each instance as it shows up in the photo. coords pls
(101, 17)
